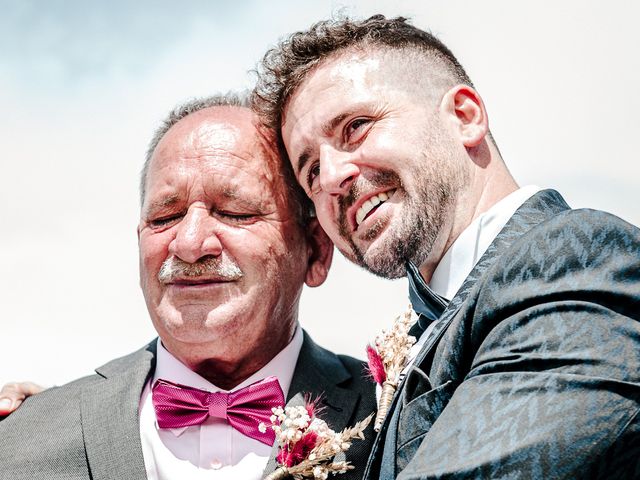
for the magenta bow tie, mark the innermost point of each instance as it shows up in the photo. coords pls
(181, 406)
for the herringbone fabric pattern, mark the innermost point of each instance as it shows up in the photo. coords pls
(534, 368)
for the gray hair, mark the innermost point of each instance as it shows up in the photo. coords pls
(230, 99)
(300, 204)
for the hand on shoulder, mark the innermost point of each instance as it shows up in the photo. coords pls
(13, 394)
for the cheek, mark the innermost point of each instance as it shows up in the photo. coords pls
(269, 253)
(327, 215)
(153, 251)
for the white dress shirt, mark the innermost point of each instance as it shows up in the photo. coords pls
(212, 450)
(457, 263)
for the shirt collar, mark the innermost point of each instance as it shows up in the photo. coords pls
(424, 301)
(466, 250)
(281, 366)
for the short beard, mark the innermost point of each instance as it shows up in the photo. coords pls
(413, 239)
(424, 214)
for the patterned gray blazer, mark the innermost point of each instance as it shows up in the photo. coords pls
(89, 429)
(533, 369)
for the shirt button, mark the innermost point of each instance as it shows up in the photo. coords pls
(216, 464)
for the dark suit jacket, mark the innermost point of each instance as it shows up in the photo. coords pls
(89, 429)
(533, 369)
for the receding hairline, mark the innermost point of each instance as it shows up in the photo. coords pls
(265, 139)
(237, 118)
(180, 111)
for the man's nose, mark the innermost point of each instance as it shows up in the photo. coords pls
(337, 170)
(196, 237)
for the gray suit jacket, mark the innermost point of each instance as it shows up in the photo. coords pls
(533, 369)
(89, 429)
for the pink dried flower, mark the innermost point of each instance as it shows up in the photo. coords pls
(312, 405)
(299, 451)
(375, 365)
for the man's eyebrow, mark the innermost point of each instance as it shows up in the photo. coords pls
(327, 130)
(233, 193)
(164, 202)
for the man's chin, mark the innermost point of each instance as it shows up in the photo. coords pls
(380, 259)
(388, 268)
(196, 321)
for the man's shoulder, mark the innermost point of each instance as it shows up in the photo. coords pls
(319, 369)
(45, 434)
(45, 437)
(58, 403)
(586, 221)
(567, 243)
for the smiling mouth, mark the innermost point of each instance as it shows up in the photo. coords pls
(371, 205)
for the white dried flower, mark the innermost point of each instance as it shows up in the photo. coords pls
(320, 473)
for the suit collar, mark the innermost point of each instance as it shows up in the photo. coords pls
(424, 301)
(109, 417)
(535, 210)
(319, 373)
(109, 412)
(540, 207)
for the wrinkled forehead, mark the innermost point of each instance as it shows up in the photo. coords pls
(226, 147)
(226, 133)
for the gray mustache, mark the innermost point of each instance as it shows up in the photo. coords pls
(220, 268)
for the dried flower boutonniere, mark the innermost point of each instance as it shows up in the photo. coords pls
(307, 446)
(387, 358)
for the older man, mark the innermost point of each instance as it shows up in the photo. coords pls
(224, 251)
(529, 358)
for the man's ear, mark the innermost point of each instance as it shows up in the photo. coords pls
(320, 254)
(464, 107)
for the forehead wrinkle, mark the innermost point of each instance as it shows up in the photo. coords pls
(328, 127)
(223, 135)
(234, 194)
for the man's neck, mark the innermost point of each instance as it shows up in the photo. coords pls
(226, 367)
(486, 188)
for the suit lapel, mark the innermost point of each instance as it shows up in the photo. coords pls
(319, 373)
(109, 415)
(535, 210)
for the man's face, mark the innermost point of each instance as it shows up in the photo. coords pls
(222, 257)
(376, 159)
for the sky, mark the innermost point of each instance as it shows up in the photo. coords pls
(84, 84)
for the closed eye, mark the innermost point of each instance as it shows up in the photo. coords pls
(164, 221)
(237, 217)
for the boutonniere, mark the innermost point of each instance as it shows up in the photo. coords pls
(387, 358)
(306, 444)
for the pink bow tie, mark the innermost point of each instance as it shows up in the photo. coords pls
(181, 406)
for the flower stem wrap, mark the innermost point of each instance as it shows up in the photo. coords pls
(279, 473)
(388, 390)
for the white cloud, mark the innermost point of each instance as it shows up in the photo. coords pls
(83, 86)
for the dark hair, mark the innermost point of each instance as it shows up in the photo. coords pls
(285, 66)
